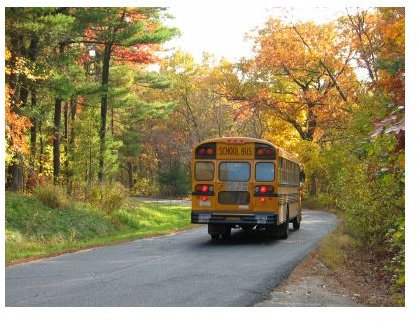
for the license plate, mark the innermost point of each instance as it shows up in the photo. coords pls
(203, 218)
(236, 186)
(204, 203)
(261, 219)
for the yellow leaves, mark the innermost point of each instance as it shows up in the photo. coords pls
(24, 67)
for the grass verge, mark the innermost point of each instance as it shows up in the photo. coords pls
(34, 230)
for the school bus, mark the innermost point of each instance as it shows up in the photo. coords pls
(245, 183)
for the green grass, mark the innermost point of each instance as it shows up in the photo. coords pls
(332, 250)
(35, 230)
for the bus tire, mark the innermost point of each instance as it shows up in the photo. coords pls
(284, 228)
(296, 223)
(215, 236)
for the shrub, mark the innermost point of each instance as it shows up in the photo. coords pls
(175, 181)
(146, 188)
(321, 201)
(52, 196)
(108, 198)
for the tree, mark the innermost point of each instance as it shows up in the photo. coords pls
(303, 74)
(29, 32)
(125, 33)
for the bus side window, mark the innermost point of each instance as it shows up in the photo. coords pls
(281, 170)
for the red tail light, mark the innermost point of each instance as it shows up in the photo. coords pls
(204, 189)
(269, 152)
(209, 151)
(202, 151)
(264, 189)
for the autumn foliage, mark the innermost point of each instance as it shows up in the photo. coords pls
(16, 128)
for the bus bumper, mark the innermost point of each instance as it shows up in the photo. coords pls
(256, 218)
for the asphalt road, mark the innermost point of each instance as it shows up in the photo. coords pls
(183, 269)
(170, 202)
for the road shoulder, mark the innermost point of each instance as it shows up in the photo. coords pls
(337, 273)
(311, 284)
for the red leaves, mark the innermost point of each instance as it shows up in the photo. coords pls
(139, 53)
(395, 123)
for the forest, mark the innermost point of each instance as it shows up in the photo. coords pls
(83, 110)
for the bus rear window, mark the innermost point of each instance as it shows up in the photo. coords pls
(234, 171)
(204, 171)
(264, 171)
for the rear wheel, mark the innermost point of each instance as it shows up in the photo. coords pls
(226, 234)
(284, 228)
(296, 222)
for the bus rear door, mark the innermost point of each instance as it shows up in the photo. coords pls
(234, 182)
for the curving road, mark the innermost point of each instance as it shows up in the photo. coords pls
(183, 269)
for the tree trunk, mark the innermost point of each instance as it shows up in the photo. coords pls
(15, 175)
(57, 133)
(70, 140)
(56, 140)
(310, 124)
(33, 134)
(33, 53)
(41, 149)
(103, 109)
(130, 174)
(67, 161)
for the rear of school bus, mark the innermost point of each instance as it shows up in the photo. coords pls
(235, 185)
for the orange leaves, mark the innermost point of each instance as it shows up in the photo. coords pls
(16, 125)
(304, 73)
(392, 53)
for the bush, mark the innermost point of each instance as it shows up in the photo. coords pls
(52, 196)
(321, 201)
(175, 181)
(144, 187)
(108, 198)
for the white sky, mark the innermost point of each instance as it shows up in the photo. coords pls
(220, 30)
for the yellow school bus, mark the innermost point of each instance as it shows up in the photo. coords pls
(245, 183)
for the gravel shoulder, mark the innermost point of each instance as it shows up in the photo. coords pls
(311, 284)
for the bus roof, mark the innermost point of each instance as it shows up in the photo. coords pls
(282, 152)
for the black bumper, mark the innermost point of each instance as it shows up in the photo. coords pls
(255, 218)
